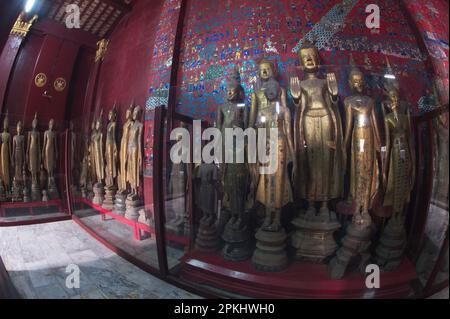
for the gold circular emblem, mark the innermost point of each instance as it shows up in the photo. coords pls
(40, 80)
(59, 84)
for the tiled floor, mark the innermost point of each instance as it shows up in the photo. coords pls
(36, 258)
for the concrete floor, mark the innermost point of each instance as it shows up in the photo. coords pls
(36, 258)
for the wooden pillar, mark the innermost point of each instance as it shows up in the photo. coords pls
(10, 52)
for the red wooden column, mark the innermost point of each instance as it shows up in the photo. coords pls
(10, 51)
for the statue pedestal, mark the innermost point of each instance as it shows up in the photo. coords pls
(132, 207)
(84, 193)
(270, 254)
(176, 225)
(26, 195)
(2, 191)
(207, 240)
(35, 193)
(237, 242)
(313, 238)
(119, 203)
(143, 219)
(16, 193)
(108, 202)
(99, 192)
(356, 242)
(391, 246)
(44, 196)
(52, 190)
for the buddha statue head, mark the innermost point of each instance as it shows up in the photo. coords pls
(19, 128)
(356, 78)
(309, 57)
(51, 124)
(271, 90)
(137, 113)
(266, 70)
(112, 115)
(235, 91)
(6, 123)
(129, 112)
(34, 123)
(99, 122)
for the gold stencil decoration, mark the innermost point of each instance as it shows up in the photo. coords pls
(40, 80)
(60, 84)
(102, 47)
(21, 27)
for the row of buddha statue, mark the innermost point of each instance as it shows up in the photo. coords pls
(114, 173)
(21, 157)
(325, 155)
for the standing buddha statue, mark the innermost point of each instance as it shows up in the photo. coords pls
(134, 165)
(111, 160)
(33, 158)
(5, 155)
(363, 138)
(234, 176)
(269, 111)
(18, 152)
(318, 141)
(99, 162)
(398, 178)
(50, 158)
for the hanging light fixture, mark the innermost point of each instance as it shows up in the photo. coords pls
(29, 5)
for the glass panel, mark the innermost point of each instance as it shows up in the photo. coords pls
(32, 174)
(438, 214)
(177, 176)
(110, 198)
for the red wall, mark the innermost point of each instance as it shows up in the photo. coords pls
(124, 74)
(52, 49)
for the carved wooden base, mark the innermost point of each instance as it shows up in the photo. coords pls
(133, 205)
(99, 192)
(16, 193)
(270, 254)
(356, 242)
(237, 242)
(391, 246)
(207, 240)
(313, 238)
(108, 201)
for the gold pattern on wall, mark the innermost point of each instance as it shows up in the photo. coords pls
(40, 80)
(59, 84)
(21, 27)
(102, 47)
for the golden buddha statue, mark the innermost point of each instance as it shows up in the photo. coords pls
(363, 138)
(33, 155)
(18, 153)
(273, 190)
(318, 134)
(111, 149)
(398, 177)
(91, 163)
(269, 110)
(134, 156)
(362, 135)
(97, 148)
(50, 157)
(5, 155)
(124, 149)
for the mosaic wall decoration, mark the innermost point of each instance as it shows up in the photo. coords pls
(161, 64)
(220, 36)
(431, 17)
